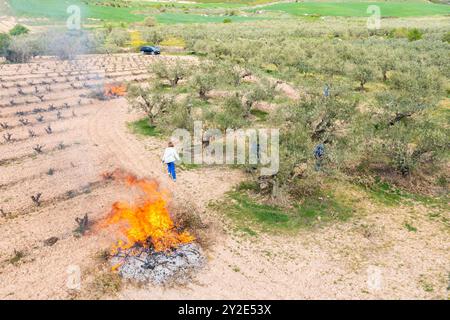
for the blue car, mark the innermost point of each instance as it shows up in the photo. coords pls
(150, 50)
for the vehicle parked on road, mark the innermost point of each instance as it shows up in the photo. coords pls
(152, 50)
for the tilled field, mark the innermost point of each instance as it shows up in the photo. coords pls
(44, 117)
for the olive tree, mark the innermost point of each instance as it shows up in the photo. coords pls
(179, 116)
(362, 74)
(150, 21)
(65, 45)
(152, 104)
(406, 133)
(5, 40)
(118, 37)
(22, 48)
(203, 81)
(153, 37)
(385, 61)
(171, 72)
(263, 91)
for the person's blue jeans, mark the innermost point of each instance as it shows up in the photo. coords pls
(171, 170)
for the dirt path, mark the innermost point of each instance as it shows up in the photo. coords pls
(107, 129)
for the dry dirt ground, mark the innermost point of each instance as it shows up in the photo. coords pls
(371, 256)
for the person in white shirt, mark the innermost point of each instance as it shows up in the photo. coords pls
(169, 158)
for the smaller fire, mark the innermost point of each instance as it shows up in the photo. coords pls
(115, 90)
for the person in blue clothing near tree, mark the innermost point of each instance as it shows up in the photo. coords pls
(319, 153)
(326, 90)
(169, 158)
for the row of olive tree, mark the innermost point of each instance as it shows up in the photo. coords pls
(20, 46)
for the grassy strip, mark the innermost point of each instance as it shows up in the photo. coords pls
(251, 216)
(389, 195)
(57, 10)
(143, 128)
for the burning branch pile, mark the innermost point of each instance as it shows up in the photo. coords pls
(107, 91)
(115, 90)
(152, 247)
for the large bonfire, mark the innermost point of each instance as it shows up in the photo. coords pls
(148, 222)
(151, 247)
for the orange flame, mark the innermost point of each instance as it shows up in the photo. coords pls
(148, 222)
(114, 90)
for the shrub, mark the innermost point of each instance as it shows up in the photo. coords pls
(5, 40)
(136, 39)
(150, 22)
(174, 42)
(118, 37)
(398, 33)
(362, 74)
(446, 37)
(414, 34)
(18, 30)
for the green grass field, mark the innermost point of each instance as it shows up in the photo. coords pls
(143, 128)
(359, 9)
(56, 10)
(212, 11)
